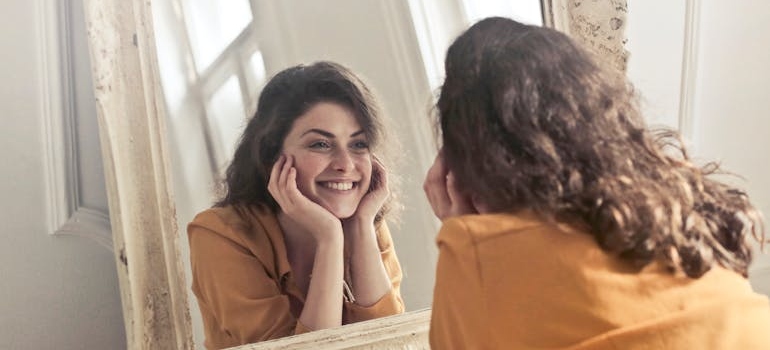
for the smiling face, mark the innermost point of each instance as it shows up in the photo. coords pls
(332, 158)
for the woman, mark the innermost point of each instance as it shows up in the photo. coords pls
(567, 223)
(298, 242)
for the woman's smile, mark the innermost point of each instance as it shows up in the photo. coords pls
(338, 186)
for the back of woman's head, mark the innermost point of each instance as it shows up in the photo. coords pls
(530, 120)
(286, 97)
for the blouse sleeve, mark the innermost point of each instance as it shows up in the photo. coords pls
(391, 303)
(458, 315)
(239, 300)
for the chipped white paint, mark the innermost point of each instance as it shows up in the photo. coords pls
(131, 128)
(600, 24)
(407, 331)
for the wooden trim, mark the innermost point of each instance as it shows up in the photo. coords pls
(600, 26)
(88, 223)
(689, 69)
(555, 14)
(407, 331)
(58, 113)
(131, 119)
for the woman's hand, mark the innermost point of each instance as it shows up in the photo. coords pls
(441, 189)
(374, 199)
(316, 220)
(369, 279)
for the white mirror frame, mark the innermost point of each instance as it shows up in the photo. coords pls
(132, 130)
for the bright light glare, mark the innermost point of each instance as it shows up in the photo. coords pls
(213, 25)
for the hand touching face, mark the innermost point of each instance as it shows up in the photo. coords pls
(378, 193)
(443, 193)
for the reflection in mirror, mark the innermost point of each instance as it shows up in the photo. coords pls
(133, 135)
(215, 57)
(297, 241)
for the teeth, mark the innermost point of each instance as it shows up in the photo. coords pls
(340, 186)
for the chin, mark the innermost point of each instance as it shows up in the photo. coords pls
(343, 214)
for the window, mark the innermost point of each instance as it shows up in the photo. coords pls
(211, 72)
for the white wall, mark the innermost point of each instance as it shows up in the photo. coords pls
(733, 100)
(655, 42)
(730, 97)
(58, 291)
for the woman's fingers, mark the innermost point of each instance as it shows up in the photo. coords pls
(435, 187)
(443, 192)
(283, 182)
(460, 203)
(274, 181)
(379, 177)
(287, 165)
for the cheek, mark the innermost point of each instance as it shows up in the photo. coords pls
(308, 167)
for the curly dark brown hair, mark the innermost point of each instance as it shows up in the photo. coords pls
(530, 120)
(285, 98)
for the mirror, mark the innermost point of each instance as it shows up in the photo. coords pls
(143, 131)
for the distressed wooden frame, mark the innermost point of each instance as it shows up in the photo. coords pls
(132, 133)
(598, 25)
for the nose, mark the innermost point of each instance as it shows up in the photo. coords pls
(342, 161)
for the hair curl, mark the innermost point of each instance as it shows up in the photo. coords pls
(530, 120)
(285, 98)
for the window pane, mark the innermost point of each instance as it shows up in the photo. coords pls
(169, 40)
(212, 25)
(226, 119)
(257, 68)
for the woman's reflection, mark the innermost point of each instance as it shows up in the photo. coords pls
(298, 241)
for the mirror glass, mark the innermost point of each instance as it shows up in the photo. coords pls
(215, 56)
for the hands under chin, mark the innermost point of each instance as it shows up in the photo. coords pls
(313, 218)
(375, 198)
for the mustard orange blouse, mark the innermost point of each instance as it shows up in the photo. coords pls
(514, 282)
(243, 281)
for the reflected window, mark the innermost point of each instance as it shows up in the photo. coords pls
(226, 116)
(212, 25)
(211, 71)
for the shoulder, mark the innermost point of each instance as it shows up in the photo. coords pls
(480, 228)
(523, 231)
(237, 223)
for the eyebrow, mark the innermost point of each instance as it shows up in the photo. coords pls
(328, 134)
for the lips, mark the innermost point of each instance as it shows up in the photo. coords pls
(339, 186)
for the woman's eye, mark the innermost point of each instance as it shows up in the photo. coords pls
(360, 145)
(320, 145)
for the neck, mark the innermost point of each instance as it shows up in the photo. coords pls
(299, 243)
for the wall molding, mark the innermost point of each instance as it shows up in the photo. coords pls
(689, 69)
(64, 211)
